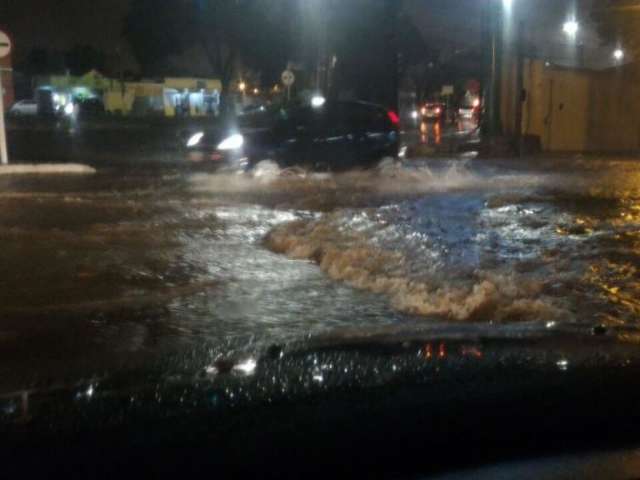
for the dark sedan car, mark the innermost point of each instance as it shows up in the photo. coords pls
(324, 136)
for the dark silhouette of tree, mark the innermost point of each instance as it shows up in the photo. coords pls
(41, 61)
(155, 30)
(83, 58)
(231, 34)
(357, 43)
(418, 63)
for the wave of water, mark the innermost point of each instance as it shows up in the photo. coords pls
(483, 245)
(419, 277)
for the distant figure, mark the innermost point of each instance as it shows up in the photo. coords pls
(215, 103)
(185, 102)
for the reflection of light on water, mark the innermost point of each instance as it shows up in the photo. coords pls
(86, 394)
(563, 364)
(423, 133)
(430, 132)
(317, 376)
(247, 367)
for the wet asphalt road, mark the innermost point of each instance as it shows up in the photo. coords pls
(150, 260)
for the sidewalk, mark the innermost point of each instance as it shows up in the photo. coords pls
(47, 169)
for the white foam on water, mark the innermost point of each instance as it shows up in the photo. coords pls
(433, 290)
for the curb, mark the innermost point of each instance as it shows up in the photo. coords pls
(46, 169)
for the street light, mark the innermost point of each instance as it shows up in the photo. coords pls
(242, 87)
(618, 54)
(571, 28)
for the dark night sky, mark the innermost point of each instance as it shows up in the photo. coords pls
(60, 24)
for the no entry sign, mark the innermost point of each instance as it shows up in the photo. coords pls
(5, 45)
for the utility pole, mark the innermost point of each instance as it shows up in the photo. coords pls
(5, 50)
(4, 157)
(519, 100)
(493, 100)
(391, 18)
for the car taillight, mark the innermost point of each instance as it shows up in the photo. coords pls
(393, 116)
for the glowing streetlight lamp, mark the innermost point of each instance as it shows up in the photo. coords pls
(242, 86)
(618, 54)
(571, 28)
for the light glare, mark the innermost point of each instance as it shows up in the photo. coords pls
(571, 28)
(247, 367)
(232, 143)
(195, 139)
(318, 101)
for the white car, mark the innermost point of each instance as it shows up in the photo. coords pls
(24, 108)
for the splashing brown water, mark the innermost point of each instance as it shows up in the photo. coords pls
(350, 258)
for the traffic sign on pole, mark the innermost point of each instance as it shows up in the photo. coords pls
(5, 45)
(5, 50)
(288, 78)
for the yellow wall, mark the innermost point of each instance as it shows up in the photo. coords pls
(615, 111)
(115, 101)
(574, 110)
(193, 83)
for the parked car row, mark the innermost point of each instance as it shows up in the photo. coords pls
(24, 108)
(31, 108)
(437, 111)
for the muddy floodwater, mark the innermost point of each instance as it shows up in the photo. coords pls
(129, 267)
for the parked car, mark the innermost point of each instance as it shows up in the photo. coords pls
(328, 136)
(469, 111)
(433, 111)
(24, 108)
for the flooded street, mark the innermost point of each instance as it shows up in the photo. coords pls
(125, 269)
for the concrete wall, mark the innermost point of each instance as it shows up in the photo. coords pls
(574, 110)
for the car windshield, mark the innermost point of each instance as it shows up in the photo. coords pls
(226, 211)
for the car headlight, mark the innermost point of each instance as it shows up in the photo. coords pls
(232, 143)
(195, 139)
